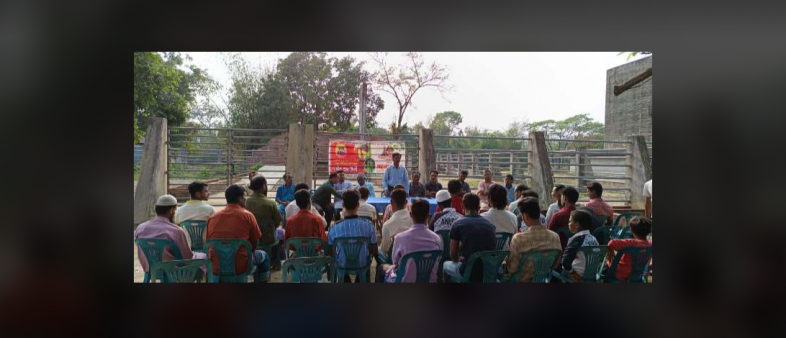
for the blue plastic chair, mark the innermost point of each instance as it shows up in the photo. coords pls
(595, 258)
(627, 216)
(227, 249)
(308, 269)
(153, 249)
(640, 259)
(352, 248)
(184, 271)
(492, 262)
(502, 239)
(306, 246)
(543, 262)
(606, 233)
(445, 234)
(196, 231)
(424, 264)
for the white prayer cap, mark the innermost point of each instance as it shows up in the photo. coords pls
(166, 201)
(442, 196)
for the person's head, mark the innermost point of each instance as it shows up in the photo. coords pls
(301, 186)
(364, 192)
(556, 193)
(433, 176)
(463, 175)
(199, 191)
(443, 199)
(361, 179)
(487, 175)
(251, 174)
(594, 190)
(398, 199)
(498, 196)
(570, 196)
(419, 211)
(340, 175)
(166, 205)
(303, 199)
(579, 220)
(258, 184)
(471, 203)
(530, 211)
(399, 186)
(351, 201)
(530, 193)
(641, 227)
(333, 178)
(454, 187)
(416, 177)
(235, 194)
(508, 180)
(520, 189)
(396, 159)
(287, 179)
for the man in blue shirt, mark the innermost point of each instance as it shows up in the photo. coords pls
(362, 183)
(394, 175)
(285, 194)
(510, 188)
(352, 226)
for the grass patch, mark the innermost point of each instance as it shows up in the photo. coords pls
(137, 168)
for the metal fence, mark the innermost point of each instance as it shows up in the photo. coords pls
(456, 153)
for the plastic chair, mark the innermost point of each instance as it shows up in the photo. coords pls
(627, 216)
(566, 233)
(226, 249)
(306, 246)
(196, 231)
(445, 234)
(543, 263)
(502, 239)
(595, 258)
(308, 269)
(184, 271)
(368, 218)
(640, 259)
(492, 262)
(352, 248)
(424, 264)
(624, 232)
(153, 249)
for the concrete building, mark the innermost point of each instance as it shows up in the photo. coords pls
(630, 112)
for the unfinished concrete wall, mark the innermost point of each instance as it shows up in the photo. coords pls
(152, 175)
(540, 169)
(640, 170)
(300, 152)
(630, 113)
(426, 160)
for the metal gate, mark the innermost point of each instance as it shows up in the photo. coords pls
(219, 157)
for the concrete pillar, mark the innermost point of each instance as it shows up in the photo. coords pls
(639, 170)
(540, 169)
(583, 169)
(152, 176)
(426, 160)
(300, 153)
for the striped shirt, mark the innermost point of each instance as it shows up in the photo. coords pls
(352, 226)
(537, 237)
(444, 220)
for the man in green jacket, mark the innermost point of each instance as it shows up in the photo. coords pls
(321, 198)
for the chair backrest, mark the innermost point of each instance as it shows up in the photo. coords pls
(564, 232)
(424, 264)
(605, 233)
(306, 246)
(196, 231)
(640, 261)
(307, 269)
(595, 257)
(491, 260)
(153, 248)
(627, 216)
(351, 248)
(226, 249)
(623, 232)
(182, 271)
(502, 239)
(445, 234)
(543, 262)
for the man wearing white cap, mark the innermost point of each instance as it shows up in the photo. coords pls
(162, 227)
(444, 219)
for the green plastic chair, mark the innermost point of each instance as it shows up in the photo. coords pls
(605, 233)
(445, 234)
(564, 232)
(502, 239)
(424, 264)
(184, 271)
(640, 259)
(623, 232)
(226, 249)
(352, 247)
(595, 258)
(196, 231)
(492, 262)
(153, 249)
(308, 269)
(543, 261)
(627, 216)
(386, 258)
(306, 246)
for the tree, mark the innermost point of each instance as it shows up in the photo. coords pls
(405, 80)
(445, 123)
(577, 127)
(257, 99)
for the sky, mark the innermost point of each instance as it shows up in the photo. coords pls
(490, 89)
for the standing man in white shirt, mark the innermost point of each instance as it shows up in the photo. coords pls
(648, 199)
(394, 175)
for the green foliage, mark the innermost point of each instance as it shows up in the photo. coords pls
(632, 54)
(137, 168)
(445, 123)
(577, 127)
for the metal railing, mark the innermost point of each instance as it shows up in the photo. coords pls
(475, 154)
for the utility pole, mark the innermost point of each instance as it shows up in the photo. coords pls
(362, 111)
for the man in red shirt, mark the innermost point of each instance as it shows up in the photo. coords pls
(304, 223)
(456, 196)
(560, 219)
(596, 203)
(640, 227)
(237, 222)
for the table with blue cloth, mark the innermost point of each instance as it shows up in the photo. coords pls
(380, 203)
